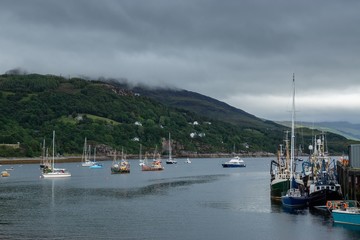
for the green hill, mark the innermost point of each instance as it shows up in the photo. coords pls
(112, 116)
(33, 105)
(206, 106)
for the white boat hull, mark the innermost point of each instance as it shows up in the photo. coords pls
(87, 164)
(56, 175)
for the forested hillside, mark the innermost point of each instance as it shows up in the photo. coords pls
(33, 105)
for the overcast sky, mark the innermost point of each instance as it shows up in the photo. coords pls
(241, 52)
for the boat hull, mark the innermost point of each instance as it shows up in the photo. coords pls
(225, 165)
(279, 188)
(96, 167)
(171, 162)
(294, 202)
(151, 168)
(56, 175)
(345, 217)
(87, 164)
(119, 170)
(320, 198)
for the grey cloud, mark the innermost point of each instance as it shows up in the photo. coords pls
(223, 49)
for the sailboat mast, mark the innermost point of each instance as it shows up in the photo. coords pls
(83, 157)
(43, 151)
(292, 146)
(53, 158)
(169, 148)
(140, 151)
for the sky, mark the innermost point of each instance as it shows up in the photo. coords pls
(242, 52)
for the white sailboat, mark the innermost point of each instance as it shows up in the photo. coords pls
(170, 160)
(53, 172)
(141, 161)
(85, 159)
(44, 158)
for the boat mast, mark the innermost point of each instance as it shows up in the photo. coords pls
(292, 130)
(140, 152)
(83, 157)
(53, 158)
(43, 151)
(169, 148)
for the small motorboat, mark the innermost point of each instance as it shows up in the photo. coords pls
(234, 162)
(187, 160)
(5, 174)
(345, 212)
(171, 161)
(96, 166)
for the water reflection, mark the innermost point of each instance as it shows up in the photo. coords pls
(159, 188)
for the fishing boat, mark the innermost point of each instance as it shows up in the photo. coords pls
(345, 212)
(52, 172)
(155, 165)
(280, 169)
(121, 166)
(235, 162)
(322, 180)
(170, 160)
(280, 173)
(295, 197)
(85, 158)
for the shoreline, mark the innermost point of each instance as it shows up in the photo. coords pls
(24, 160)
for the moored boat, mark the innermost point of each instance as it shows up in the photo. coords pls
(295, 196)
(235, 162)
(85, 159)
(96, 166)
(5, 174)
(52, 172)
(170, 160)
(44, 162)
(55, 173)
(323, 184)
(119, 167)
(154, 166)
(345, 212)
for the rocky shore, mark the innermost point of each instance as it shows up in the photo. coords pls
(105, 158)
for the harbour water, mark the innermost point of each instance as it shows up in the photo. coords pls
(200, 200)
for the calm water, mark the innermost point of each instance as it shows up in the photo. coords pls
(200, 200)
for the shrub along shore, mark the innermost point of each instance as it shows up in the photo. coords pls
(105, 158)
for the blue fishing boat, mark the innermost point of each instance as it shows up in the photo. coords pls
(345, 212)
(295, 197)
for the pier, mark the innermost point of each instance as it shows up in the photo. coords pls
(349, 179)
(348, 171)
